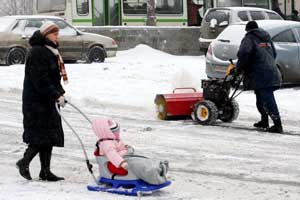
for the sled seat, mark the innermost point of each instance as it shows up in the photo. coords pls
(116, 170)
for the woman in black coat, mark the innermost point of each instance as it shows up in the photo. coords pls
(41, 90)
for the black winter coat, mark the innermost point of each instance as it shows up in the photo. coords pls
(256, 59)
(42, 123)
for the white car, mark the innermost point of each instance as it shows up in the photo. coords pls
(216, 20)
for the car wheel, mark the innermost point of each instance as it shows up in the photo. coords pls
(16, 55)
(206, 112)
(96, 54)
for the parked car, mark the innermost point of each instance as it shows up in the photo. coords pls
(284, 34)
(216, 20)
(15, 32)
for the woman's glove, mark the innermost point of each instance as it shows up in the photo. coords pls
(61, 101)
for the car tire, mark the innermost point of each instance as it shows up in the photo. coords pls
(96, 54)
(206, 112)
(16, 55)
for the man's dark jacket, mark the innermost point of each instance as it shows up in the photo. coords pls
(256, 59)
(42, 123)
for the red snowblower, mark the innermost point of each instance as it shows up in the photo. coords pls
(215, 102)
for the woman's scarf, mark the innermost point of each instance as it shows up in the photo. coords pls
(60, 62)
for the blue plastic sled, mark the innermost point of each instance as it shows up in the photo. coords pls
(126, 187)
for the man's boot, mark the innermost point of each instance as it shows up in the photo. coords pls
(46, 174)
(263, 123)
(277, 127)
(23, 164)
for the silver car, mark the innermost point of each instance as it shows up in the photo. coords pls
(284, 34)
(216, 20)
(15, 32)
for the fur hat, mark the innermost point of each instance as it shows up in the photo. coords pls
(251, 25)
(48, 28)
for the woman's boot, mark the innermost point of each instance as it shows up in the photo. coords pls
(23, 164)
(46, 174)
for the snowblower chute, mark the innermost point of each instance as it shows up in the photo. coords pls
(177, 104)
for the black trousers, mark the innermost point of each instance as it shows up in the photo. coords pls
(266, 103)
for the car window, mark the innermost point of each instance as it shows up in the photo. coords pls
(243, 15)
(273, 16)
(19, 27)
(298, 31)
(32, 25)
(64, 28)
(219, 15)
(285, 36)
(257, 15)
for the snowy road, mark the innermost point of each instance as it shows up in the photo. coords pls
(205, 162)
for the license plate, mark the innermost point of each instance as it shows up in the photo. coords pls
(220, 68)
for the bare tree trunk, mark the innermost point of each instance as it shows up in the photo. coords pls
(276, 8)
(151, 18)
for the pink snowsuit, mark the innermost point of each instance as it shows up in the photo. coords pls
(110, 144)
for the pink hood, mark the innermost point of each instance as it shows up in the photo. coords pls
(113, 148)
(101, 128)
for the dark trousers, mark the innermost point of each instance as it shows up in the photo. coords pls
(266, 103)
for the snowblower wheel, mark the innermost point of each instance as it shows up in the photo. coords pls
(231, 112)
(206, 112)
(161, 108)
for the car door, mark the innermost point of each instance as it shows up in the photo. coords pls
(287, 49)
(17, 36)
(70, 41)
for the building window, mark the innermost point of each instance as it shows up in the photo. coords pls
(169, 7)
(82, 7)
(135, 7)
(51, 5)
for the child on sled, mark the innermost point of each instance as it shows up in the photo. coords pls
(122, 156)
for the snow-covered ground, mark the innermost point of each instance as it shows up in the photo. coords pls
(205, 162)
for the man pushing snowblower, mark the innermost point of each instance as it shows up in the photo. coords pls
(256, 60)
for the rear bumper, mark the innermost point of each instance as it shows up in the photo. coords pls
(111, 52)
(215, 70)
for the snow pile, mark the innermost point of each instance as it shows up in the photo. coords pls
(133, 78)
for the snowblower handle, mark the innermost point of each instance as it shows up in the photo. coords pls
(185, 88)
